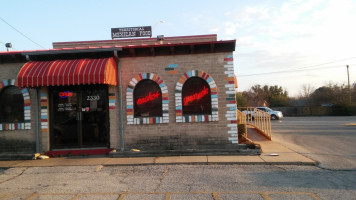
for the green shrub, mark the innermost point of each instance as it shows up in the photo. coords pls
(242, 132)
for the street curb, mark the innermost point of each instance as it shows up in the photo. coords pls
(242, 150)
(215, 163)
(175, 160)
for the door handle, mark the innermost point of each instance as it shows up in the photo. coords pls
(79, 116)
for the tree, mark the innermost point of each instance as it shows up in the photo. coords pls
(331, 93)
(353, 93)
(255, 96)
(307, 90)
(274, 95)
(241, 101)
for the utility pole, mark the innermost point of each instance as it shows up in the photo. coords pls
(348, 81)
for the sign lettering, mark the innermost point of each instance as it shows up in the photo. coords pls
(142, 31)
(196, 96)
(93, 98)
(149, 97)
(65, 95)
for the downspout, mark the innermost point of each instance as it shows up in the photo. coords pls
(121, 115)
(37, 115)
(38, 96)
(36, 108)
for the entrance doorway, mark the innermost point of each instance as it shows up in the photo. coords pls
(79, 116)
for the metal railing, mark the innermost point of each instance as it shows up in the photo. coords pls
(241, 119)
(257, 118)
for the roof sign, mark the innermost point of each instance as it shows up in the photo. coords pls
(141, 31)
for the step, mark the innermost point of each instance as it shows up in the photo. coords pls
(16, 156)
(187, 152)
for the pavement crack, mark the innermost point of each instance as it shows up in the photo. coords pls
(17, 175)
(335, 170)
(162, 177)
(280, 167)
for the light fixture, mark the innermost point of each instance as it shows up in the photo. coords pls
(160, 37)
(8, 46)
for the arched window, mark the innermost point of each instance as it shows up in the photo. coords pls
(196, 97)
(147, 99)
(11, 105)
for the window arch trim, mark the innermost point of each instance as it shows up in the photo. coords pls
(214, 98)
(27, 108)
(131, 119)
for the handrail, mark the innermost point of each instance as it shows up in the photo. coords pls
(241, 119)
(258, 119)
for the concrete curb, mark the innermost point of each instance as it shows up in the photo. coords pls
(191, 152)
(295, 159)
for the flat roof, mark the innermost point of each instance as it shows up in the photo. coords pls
(125, 48)
(196, 38)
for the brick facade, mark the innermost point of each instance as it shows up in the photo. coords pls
(169, 71)
(175, 134)
(17, 137)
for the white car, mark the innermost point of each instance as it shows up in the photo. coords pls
(273, 113)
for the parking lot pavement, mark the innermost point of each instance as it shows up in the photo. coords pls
(164, 196)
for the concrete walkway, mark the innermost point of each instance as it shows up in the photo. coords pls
(273, 153)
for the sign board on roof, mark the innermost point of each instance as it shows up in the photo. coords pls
(126, 32)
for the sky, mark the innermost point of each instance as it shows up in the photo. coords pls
(291, 44)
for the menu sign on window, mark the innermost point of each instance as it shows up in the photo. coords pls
(126, 32)
(65, 107)
(64, 103)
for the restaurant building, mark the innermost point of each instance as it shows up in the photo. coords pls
(141, 93)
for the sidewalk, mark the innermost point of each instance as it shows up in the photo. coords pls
(273, 153)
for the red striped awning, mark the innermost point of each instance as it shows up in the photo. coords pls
(68, 72)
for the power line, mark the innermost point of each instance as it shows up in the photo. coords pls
(21, 33)
(307, 68)
(331, 62)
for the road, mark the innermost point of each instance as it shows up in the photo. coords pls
(327, 140)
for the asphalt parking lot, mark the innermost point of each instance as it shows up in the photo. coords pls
(328, 140)
(167, 196)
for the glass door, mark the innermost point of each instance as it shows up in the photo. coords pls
(95, 116)
(65, 116)
(79, 116)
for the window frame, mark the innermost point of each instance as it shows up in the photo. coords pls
(155, 98)
(204, 92)
(131, 119)
(182, 118)
(14, 101)
(26, 124)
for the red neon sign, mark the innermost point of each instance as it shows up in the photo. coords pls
(149, 97)
(196, 96)
(65, 94)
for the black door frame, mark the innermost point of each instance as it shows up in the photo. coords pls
(79, 89)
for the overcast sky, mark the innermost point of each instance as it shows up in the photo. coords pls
(285, 43)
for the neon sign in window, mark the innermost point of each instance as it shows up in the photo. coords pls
(196, 96)
(149, 97)
(65, 95)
